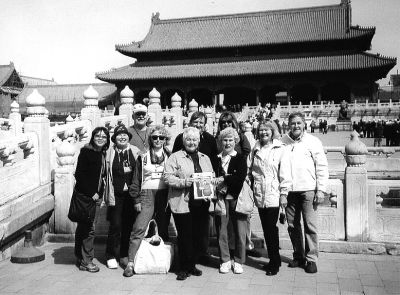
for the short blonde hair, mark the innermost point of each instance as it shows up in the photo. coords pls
(229, 132)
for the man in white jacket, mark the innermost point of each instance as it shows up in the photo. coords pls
(305, 161)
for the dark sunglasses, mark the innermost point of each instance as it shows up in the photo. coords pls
(226, 121)
(155, 137)
(140, 114)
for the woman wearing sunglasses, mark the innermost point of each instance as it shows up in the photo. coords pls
(149, 191)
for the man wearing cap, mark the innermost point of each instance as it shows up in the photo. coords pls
(139, 130)
(304, 159)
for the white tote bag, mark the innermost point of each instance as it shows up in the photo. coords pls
(153, 256)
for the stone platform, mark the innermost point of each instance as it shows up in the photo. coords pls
(337, 274)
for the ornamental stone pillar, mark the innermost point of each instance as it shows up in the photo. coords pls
(126, 107)
(356, 201)
(38, 123)
(176, 111)
(63, 188)
(91, 109)
(154, 108)
(15, 116)
(210, 121)
(193, 106)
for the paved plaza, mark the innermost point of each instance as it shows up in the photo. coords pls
(337, 274)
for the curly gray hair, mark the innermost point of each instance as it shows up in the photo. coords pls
(229, 132)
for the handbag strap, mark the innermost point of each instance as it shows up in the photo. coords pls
(152, 225)
(103, 167)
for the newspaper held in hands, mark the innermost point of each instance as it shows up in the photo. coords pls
(203, 188)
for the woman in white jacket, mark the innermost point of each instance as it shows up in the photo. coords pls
(264, 163)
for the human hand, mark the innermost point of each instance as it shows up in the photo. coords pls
(283, 201)
(138, 207)
(189, 181)
(217, 180)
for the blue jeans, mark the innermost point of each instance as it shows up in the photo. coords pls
(301, 204)
(154, 203)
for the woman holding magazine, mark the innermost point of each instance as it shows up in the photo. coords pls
(190, 214)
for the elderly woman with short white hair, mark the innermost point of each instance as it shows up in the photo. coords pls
(233, 169)
(190, 215)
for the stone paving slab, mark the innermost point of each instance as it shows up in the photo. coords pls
(338, 274)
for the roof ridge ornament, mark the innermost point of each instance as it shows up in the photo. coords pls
(155, 18)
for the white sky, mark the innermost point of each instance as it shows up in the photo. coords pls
(70, 40)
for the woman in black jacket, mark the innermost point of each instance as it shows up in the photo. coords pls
(233, 168)
(88, 174)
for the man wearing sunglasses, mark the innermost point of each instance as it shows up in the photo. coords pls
(139, 130)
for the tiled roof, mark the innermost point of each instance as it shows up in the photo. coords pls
(5, 72)
(63, 98)
(247, 29)
(248, 67)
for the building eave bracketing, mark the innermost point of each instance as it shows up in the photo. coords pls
(226, 68)
(315, 24)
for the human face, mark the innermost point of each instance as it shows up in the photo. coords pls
(122, 140)
(296, 126)
(157, 139)
(100, 139)
(191, 143)
(265, 135)
(199, 123)
(228, 144)
(140, 118)
(226, 122)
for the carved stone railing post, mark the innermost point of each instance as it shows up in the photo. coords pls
(176, 110)
(63, 187)
(356, 202)
(91, 109)
(155, 107)
(38, 123)
(15, 116)
(193, 107)
(126, 107)
(210, 120)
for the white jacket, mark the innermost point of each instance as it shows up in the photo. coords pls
(265, 175)
(306, 163)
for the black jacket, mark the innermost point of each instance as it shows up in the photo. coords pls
(237, 171)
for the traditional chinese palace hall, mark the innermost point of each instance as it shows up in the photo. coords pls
(309, 54)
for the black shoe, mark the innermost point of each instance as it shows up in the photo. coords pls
(297, 263)
(90, 267)
(128, 272)
(182, 275)
(78, 262)
(253, 253)
(311, 267)
(272, 271)
(195, 271)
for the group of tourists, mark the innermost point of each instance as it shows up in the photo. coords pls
(139, 179)
(379, 130)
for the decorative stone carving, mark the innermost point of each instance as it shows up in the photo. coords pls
(91, 97)
(7, 153)
(69, 119)
(380, 192)
(193, 106)
(356, 151)
(176, 101)
(14, 107)
(154, 96)
(35, 104)
(126, 95)
(65, 152)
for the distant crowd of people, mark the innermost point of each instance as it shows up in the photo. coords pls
(379, 130)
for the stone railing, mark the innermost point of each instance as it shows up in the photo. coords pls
(363, 184)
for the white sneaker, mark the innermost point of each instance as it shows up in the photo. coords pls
(112, 263)
(237, 268)
(225, 267)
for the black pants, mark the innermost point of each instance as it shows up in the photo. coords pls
(121, 218)
(192, 231)
(269, 218)
(84, 240)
